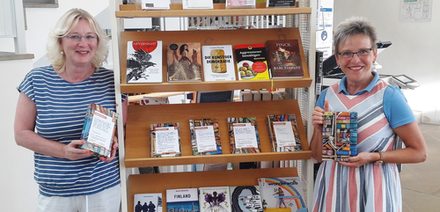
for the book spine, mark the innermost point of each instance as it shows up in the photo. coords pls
(318, 72)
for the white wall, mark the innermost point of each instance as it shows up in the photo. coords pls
(18, 190)
(414, 51)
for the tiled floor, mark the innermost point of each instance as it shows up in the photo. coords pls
(421, 182)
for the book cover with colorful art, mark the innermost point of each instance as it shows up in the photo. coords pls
(98, 130)
(215, 199)
(184, 62)
(251, 61)
(165, 139)
(144, 61)
(283, 132)
(243, 135)
(339, 135)
(284, 58)
(205, 137)
(283, 192)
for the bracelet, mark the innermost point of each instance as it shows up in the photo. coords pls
(380, 157)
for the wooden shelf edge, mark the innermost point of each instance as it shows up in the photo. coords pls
(216, 86)
(225, 158)
(213, 12)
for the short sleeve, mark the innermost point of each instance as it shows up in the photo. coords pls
(396, 108)
(320, 101)
(27, 86)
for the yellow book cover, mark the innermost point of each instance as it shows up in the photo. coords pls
(251, 62)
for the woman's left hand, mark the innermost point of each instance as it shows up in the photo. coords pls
(113, 154)
(359, 160)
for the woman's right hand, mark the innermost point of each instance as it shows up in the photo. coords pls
(72, 151)
(318, 116)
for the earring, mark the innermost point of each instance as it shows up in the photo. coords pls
(61, 52)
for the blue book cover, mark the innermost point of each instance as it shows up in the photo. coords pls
(183, 199)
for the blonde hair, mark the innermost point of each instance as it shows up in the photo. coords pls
(63, 27)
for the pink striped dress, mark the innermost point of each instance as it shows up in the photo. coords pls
(372, 187)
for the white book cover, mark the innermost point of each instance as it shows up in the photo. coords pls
(144, 61)
(283, 192)
(197, 4)
(218, 63)
(183, 199)
(215, 199)
(148, 202)
(155, 4)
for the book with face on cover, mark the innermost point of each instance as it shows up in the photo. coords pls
(218, 63)
(283, 132)
(251, 62)
(215, 199)
(205, 137)
(246, 199)
(283, 192)
(148, 202)
(144, 61)
(165, 139)
(284, 58)
(243, 135)
(339, 135)
(183, 199)
(98, 130)
(184, 62)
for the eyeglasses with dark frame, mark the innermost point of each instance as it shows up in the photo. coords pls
(360, 53)
(77, 37)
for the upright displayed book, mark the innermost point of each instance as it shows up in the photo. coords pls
(235, 4)
(280, 3)
(197, 4)
(283, 132)
(144, 61)
(183, 199)
(155, 4)
(243, 135)
(98, 130)
(148, 202)
(165, 139)
(205, 137)
(218, 63)
(184, 62)
(215, 199)
(339, 135)
(283, 192)
(246, 199)
(284, 58)
(251, 62)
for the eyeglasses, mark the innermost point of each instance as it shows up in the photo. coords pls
(77, 37)
(360, 53)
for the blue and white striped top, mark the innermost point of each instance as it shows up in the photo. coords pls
(61, 107)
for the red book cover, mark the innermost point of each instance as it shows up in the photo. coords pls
(284, 58)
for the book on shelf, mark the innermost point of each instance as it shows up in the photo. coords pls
(148, 202)
(98, 130)
(182, 199)
(246, 199)
(283, 192)
(284, 58)
(236, 4)
(144, 61)
(155, 4)
(165, 139)
(184, 62)
(243, 134)
(319, 60)
(197, 4)
(251, 61)
(283, 132)
(218, 63)
(339, 135)
(214, 199)
(205, 137)
(280, 3)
